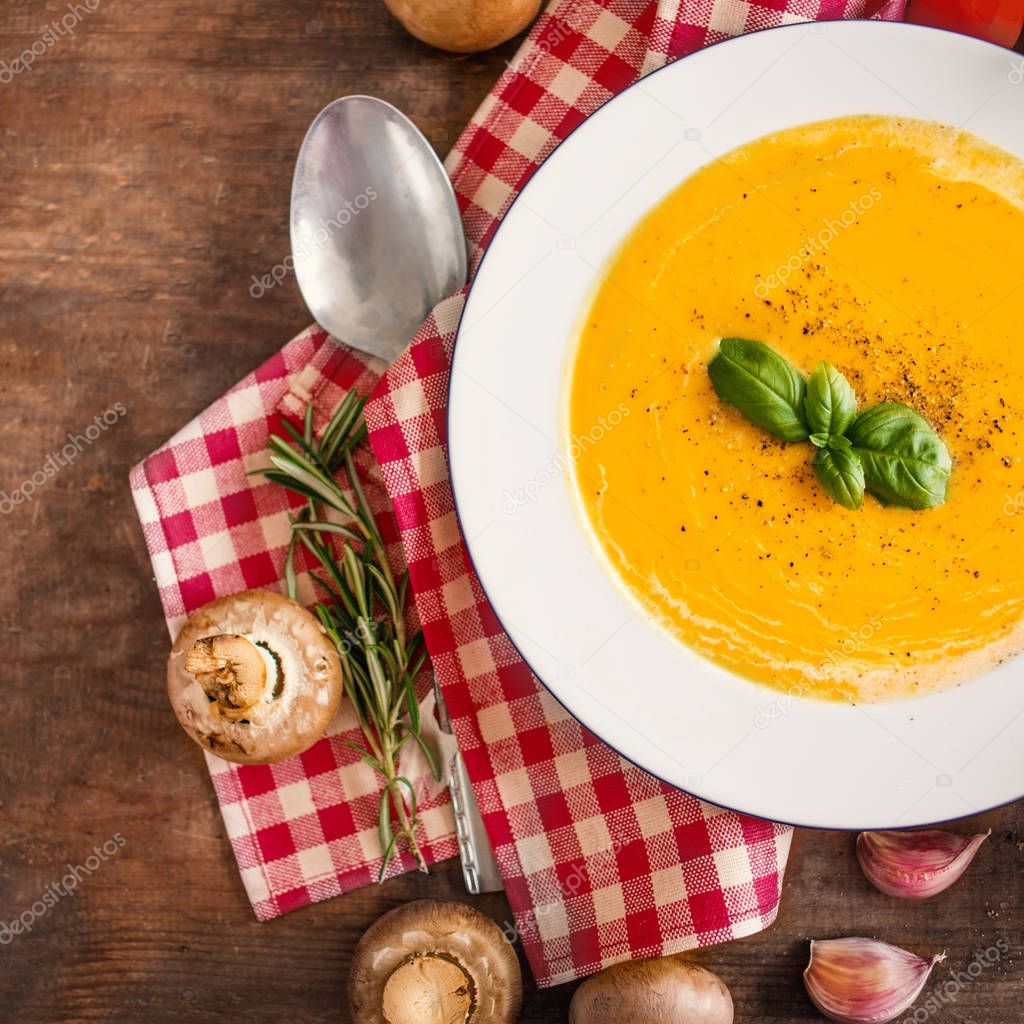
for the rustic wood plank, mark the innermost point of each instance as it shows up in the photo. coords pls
(147, 162)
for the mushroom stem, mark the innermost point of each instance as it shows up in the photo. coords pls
(436, 962)
(429, 988)
(230, 670)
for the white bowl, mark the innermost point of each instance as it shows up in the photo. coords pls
(684, 719)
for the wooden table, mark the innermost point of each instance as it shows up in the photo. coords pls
(146, 162)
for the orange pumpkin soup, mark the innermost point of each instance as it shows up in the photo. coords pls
(892, 249)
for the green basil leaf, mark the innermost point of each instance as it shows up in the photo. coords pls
(764, 386)
(819, 440)
(905, 462)
(839, 442)
(841, 475)
(830, 405)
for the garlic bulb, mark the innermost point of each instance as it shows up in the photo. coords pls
(915, 865)
(863, 981)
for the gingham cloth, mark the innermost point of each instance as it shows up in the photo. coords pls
(601, 861)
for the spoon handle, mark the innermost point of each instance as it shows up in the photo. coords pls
(479, 867)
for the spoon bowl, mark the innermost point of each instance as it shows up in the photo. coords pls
(375, 230)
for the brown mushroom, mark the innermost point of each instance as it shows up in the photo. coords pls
(253, 678)
(230, 670)
(664, 990)
(464, 26)
(434, 962)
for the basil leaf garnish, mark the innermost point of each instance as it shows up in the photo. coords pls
(841, 475)
(830, 405)
(764, 386)
(905, 462)
(889, 449)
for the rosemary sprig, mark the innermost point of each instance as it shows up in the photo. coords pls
(363, 609)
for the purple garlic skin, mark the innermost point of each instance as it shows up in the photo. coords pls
(915, 865)
(864, 981)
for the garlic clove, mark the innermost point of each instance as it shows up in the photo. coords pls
(915, 865)
(864, 981)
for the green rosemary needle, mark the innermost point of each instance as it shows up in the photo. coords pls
(363, 609)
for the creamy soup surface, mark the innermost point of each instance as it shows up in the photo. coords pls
(895, 250)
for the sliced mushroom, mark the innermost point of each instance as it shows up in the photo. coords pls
(230, 669)
(434, 962)
(664, 990)
(253, 678)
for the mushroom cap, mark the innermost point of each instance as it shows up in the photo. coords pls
(435, 962)
(662, 990)
(225, 709)
(464, 26)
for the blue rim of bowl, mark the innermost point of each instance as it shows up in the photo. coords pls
(888, 25)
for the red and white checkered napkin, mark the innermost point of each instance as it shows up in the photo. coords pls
(601, 861)
(305, 829)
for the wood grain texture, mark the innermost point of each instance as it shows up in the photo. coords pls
(146, 163)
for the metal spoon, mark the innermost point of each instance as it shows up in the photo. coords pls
(377, 242)
(376, 235)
